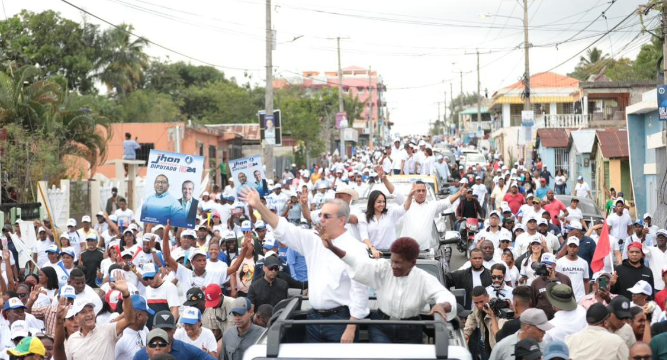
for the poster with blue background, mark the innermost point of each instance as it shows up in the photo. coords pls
(662, 102)
(172, 180)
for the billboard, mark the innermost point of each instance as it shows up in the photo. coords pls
(172, 179)
(269, 128)
(249, 171)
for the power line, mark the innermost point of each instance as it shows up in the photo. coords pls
(154, 43)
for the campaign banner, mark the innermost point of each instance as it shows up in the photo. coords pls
(249, 171)
(662, 102)
(172, 180)
(270, 128)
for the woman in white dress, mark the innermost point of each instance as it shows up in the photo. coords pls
(379, 229)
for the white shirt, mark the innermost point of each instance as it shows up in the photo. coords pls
(40, 248)
(480, 191)
(428, 167)
(206, 338)
(487, 234)
(278, 200)
(229, 191)
(574, 215)
(497, 194)
(353, 229)
(359, 188)
(552, 242)
(206, 206)
(619, 225)
(398, 156)
(566, 323)
(505, 293)
(418, 221)
(400, 297)
(382, 233)
(130, 343)
(577, 271)
(560, 180)
(126, 216)
(225, 211)
(582, 189)
(187, 278)
(522, 243)
(329, 284)
(656, 260)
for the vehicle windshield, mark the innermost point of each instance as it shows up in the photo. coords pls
(475, 158)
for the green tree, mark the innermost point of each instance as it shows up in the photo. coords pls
(123, 61)
(592, 56)
(645, 67)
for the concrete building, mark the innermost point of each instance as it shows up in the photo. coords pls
(612, 165)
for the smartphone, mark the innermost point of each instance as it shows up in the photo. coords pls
(602, 282)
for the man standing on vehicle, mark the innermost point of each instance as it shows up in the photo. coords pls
(399, 155)
(332, 294)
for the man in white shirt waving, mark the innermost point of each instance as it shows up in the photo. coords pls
(332, 293)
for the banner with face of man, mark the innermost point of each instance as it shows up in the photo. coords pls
(172, 180)
(249, 171)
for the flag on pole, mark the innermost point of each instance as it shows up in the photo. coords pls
(602, 250)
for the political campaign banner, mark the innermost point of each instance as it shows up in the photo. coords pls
(662, 102)
(172, 180)
(249, 171)
(270, 128)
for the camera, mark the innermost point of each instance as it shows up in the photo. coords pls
(501, 308)
(540, 269)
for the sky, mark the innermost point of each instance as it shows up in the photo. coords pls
(418, 47)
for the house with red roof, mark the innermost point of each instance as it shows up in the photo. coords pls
(612, 164)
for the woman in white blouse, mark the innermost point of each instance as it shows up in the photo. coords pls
(379, 229)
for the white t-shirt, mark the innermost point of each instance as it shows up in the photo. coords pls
(619, 225)
(187, 278)
(130, 343)
(166, 291)
(206, 338)
(560, 180)
(574, 215)
(577, 271)
(126, 216)
(476, 278)
(582, 190)
(480, 191)
(40, 248)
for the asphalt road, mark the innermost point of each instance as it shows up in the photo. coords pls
(457, 260)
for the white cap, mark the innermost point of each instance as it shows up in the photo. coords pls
(190, 315)
(80, 304)
(126, 252)
(133, 226)
(642, 287)
(156, 228)
(19, 329)
(542, 221)
(197, 252)
(422, 142)
(548, 258)
(190, 233)
(647, 215)
(205, 193)
(573, 240)
(71, 222)
(85, 218)
(40, 230)
(100, 213)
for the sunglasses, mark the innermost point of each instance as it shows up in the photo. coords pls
(274, 268)
(642, 357)
(22, 295)
(497, 277)
(161, 344)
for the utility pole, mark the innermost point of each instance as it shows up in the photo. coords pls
(268, 91)
(451, 102)
(444, 115)
(341, 107)
(526, 47)
(370, 110)
(664, 37)
(479, 95)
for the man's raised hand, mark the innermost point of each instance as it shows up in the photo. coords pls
(249, 195)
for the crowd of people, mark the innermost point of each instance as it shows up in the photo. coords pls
(110, 287)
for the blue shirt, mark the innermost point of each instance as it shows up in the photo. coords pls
(160, 208)
(541, 192)
(179, 350)
(130, 148)
(297, 265)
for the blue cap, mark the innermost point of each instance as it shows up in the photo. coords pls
(15, 303)
(230, 198)
(556, 349)
(241, 305)
(53, 249)
(639, 222)
(68, 291)
(69, 252)
(191, 315)
(139, 303)
(148, 270)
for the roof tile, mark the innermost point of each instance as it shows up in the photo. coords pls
(553, 138)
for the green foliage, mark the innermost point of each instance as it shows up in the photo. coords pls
(122, 61)
(644, 67)
(459, 103)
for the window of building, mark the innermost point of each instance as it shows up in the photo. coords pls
(144, 151)
(212, 156)
(561, 161)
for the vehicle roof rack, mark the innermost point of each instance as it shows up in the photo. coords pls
(282, 322)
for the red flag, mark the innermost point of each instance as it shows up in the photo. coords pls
(602, 249)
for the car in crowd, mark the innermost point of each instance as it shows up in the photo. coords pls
(591, 213)
(474, 159)
(285, 337)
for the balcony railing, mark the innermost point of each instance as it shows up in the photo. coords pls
(555, 121)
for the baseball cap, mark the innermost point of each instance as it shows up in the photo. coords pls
(505, 208)
(212, 294)
(139, 303)
(259, 224)
(197, 252)
(518, 227)
(349, 191)
(642, 287)
(647, 215)
(127, 252)
(85, 218)
(597, 313)
(531, 218)
(164, 320)
(91, 237)
(128, 230)
(600, 273)
(246, 225)
(271, 261)
(113, 218)
(542, 221)
(527, 349)
(157, 333)
(156, 228)
(573, 240)
(190, 315)
(68, 292)
(190, 233)
(18, 329)
(269, 244)
(580, 178)
(561, 296)
(193, 296)
(495, 212)
(636, 244)
(148, 270)
(112, 298)
(620, 306)
(536, 239)
(40, 230)
(548, 258)
(52, 249)
(556, 349)
(28, 346)
(662, 232)
(536, 317)
(71, 222)
(69, 252)
(241, 305)
(80, 304)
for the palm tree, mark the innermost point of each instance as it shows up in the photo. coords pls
(123, 61)
(592, 56)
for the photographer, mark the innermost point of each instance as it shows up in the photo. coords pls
(546, 274)
(520, 303)
(484, 319)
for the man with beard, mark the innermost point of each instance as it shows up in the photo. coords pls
(468, 278)
(162, 206)
(498, 288)
(628, 273)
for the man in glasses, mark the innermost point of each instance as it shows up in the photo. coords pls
(164, 324)
(269, 289)
(332, 294)
(162, 206)
(498, 288)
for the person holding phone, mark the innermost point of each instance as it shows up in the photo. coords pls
(600, 283)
